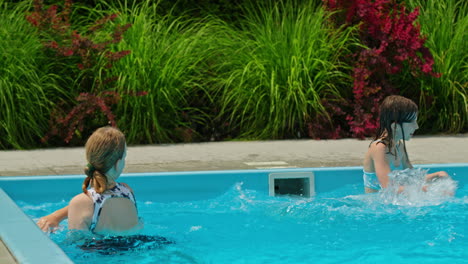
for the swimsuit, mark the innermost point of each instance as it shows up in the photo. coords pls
(370, 178)
(118, 191)
(116, 245)
(111, 245)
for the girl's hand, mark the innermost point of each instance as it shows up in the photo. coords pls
(48, 223)
(436, 175)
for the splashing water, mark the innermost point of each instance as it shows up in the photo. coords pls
(417, 191)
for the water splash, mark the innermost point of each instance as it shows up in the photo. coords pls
(249, 226)
(417, 191)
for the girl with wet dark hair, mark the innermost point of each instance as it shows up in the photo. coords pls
(398, 120)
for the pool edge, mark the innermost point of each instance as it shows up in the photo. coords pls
(25, 241)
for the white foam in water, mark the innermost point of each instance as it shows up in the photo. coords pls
(437, 191)
(195, 228)
(243, 198)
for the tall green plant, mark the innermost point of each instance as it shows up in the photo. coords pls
(89, 54)
(444, 100)
(168, 54)
(277, 73)
(27, 89)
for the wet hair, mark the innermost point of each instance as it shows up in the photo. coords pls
(103, 149)
(395, 110)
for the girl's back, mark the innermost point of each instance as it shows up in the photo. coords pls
(117, 215)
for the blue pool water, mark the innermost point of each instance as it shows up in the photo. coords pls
(248, 226)
(228, 217)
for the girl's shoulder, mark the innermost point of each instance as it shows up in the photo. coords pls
(81, 199)
(378, 144)
(378, 150)
(379, 141)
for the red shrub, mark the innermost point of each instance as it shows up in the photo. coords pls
(394, 42)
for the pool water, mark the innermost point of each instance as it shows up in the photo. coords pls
(248, 226)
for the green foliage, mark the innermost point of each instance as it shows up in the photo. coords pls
(166, 62)
(266, 70)
(444, 100)
(228, 10)
(88, 54)
(274, 74)
(27, 88)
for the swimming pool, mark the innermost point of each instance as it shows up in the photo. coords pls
(229, 217)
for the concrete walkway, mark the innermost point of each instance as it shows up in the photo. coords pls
(233, 155)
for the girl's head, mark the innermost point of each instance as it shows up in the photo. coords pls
(105, 150)
(398, 119)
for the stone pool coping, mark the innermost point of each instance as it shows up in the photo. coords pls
(233, 155)
(24, 241)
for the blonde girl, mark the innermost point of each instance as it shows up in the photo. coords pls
(105, 205)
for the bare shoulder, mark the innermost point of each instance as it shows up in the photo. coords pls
(378, 153)
(80, 212)
(378, 145)
(378, 148)
(375, 153)
(81, 199)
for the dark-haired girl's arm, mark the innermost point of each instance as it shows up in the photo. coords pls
(434, 175)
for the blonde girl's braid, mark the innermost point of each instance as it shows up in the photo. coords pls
(89, 172)
(94, 177)
(103, 149)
